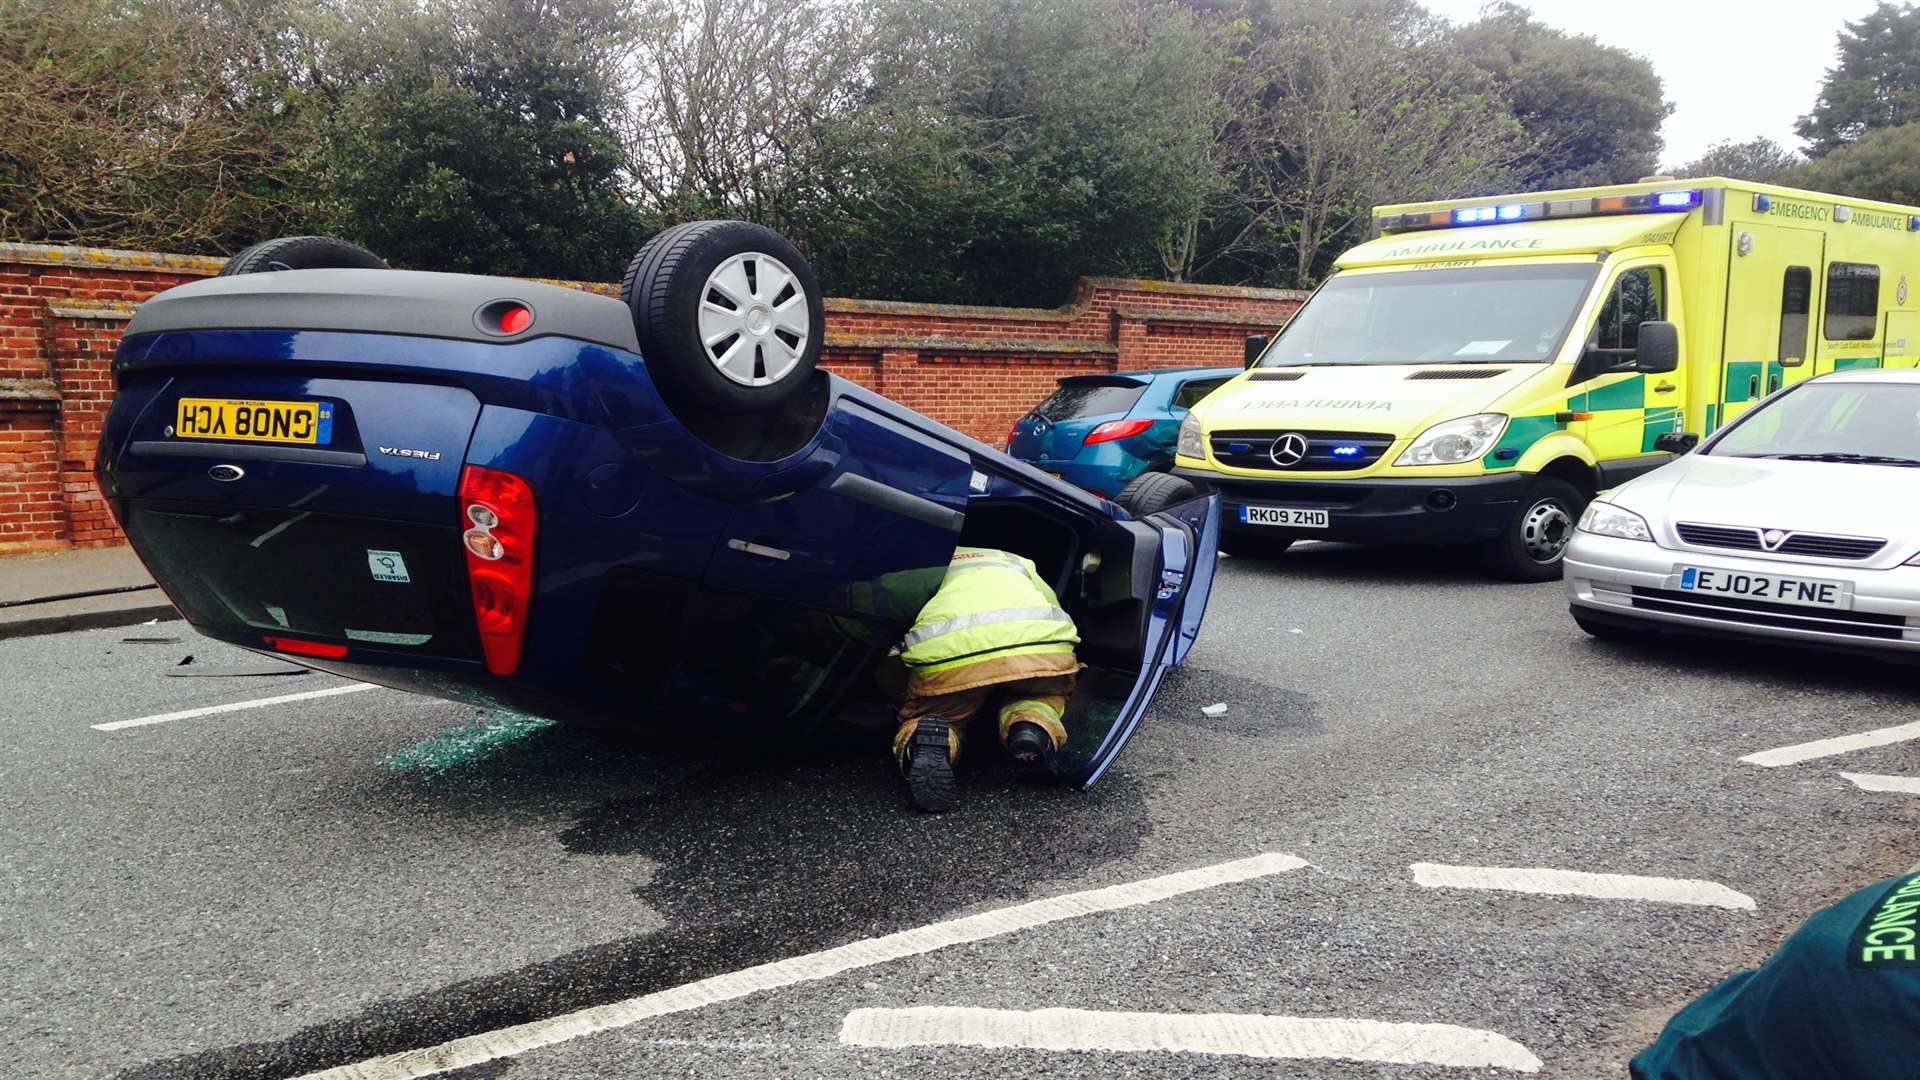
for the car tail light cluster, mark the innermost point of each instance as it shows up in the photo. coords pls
(497, 508)
(1117, 429)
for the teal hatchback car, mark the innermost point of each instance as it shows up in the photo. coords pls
(1098, 432)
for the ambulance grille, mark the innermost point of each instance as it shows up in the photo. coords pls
(1813, 545)
(1458, 373)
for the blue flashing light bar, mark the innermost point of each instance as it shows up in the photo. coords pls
(1762, 203)
(1913, 224)
(1345, 451)
(1681, 200)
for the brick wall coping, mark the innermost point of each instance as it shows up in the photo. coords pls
(1067, 312)
(92, 258)
(1205, 318)
(946, 343)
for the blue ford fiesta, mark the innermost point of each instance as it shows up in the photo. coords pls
(653, 513)
(1101, 431)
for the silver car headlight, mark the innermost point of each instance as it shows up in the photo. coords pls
(1606, 519)
(1455, 441)
(1191, 444)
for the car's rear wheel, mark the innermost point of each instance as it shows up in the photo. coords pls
(1534, 540)
(728, 313)
(1246, 545)
(302, 253)
(1612, 631)
(1152, 492)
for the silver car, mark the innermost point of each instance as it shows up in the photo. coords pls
(1799, 521)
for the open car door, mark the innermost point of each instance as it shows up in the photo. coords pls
(1177, 549)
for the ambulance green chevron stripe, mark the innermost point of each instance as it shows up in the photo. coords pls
(1522, 432)
(1625, 394)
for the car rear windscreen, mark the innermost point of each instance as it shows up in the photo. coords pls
(391, 585)
(1090, 397)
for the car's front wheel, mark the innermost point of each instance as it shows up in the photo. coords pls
(729, 315)
(1152, 492)
(1534, 540)
(302, 253)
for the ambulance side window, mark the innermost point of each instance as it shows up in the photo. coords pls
(1853, 301)
(1796, 304)
(1638, 296)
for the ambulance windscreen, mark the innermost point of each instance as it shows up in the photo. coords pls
(1465, 315)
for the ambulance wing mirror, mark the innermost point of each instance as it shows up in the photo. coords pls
(1676, 442)
(1256, 344)
(1659, 349)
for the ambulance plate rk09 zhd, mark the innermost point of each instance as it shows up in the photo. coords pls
(1291, 517)
(1773, 588)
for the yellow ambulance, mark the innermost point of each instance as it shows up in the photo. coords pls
(1479, 369)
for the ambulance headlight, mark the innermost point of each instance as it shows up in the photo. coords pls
(1191, 443)
(1606, 519)
(1455, 441)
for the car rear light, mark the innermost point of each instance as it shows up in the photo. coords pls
(497, 508)
(1013, 433)
(305, 648)
(1117, 429)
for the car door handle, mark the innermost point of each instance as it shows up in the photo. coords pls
(1665, 388)
(761, 550)
(1753, 386)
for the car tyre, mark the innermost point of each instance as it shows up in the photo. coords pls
(1152, 492)
(1533, 542)
(302, 253)
(728, 313)
(1614, 632)
(1244, 545)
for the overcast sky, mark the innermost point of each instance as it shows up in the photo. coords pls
(1732, 70)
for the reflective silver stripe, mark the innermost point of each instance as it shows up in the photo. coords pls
(975, 561)
(923, 634)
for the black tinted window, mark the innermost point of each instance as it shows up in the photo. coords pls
(1796, 301)
(1193, 390)
(1638, 296)
(1077, 398)
(1853, 301)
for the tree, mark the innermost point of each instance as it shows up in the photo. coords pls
(1883, 163)
(1340, 106)
(1593, 111)
(479, 136)
(998, 149)
(1759, 159)
(156, 124)
(1876, 83)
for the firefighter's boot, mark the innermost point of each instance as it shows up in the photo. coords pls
(925, 749)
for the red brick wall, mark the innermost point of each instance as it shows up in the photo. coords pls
(62, 310)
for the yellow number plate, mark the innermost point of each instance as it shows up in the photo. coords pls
(307, 422)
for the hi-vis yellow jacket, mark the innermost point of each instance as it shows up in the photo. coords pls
(991, 604)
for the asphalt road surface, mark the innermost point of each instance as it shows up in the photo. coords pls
(346, 877)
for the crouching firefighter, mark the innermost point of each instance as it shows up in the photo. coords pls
(993, 633)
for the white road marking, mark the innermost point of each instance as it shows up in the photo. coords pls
(1579, 883)
(1839, 744)
(215, 710)
(507, 1042)
(1876, 782)
(1209, 1033)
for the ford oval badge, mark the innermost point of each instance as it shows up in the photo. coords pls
(226, 474)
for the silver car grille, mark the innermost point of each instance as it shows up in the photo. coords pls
(1747, 538)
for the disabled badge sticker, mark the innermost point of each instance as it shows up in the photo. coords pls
(388, 566)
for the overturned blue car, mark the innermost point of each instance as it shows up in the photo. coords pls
(653, 514)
